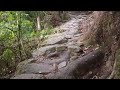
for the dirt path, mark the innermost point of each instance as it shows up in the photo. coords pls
(57, 52)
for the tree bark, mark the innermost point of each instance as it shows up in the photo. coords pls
(78, 68)
(105, 31)
(38, 23)
(19, 34)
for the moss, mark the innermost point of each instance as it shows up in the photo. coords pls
(21, 65)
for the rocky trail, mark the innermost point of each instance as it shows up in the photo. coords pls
(63, 56)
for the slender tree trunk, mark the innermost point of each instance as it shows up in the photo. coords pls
(38, 23)
(19, 34)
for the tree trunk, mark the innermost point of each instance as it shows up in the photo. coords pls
(78, 68)
(38, 23)
(19, 34)
(105, 31)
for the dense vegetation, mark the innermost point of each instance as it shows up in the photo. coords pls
(88, 46)
(21, 32)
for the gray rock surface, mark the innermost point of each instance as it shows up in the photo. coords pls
(62, 64)
(58, 49)
(55, 40)
(44, 50)
(29, 76)
(35, 68)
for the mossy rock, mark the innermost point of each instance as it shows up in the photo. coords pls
(21, 65)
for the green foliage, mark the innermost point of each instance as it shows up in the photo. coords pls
(17, 27)
(7, 60)
(8, 57)
(46, 32)
(41, 33)
(6, 37)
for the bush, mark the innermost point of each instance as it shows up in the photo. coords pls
(7, 61)
(8, 58)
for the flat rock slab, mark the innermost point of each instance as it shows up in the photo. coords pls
(28, 76)
(55, 40)
(44, 50)
(34, 68)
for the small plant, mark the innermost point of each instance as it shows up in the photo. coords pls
(8, 57)
(7, 61)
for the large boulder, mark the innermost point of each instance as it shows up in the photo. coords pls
(21, 64)
(34, 68)
(44, 50)
(58, 39)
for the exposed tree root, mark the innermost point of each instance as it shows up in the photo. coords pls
(78, 68)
